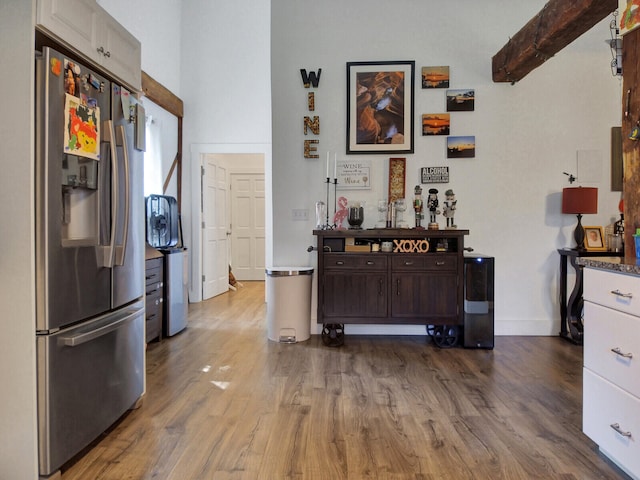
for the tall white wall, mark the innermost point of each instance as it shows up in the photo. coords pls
(18, 454)
(227, 94)
(526, 134)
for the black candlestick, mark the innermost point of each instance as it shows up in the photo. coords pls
(326, 225)
(335, 195)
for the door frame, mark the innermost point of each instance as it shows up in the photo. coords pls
(197, 152)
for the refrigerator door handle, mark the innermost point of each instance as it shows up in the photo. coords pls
(106, 253)
(121, 140)
(84, 337)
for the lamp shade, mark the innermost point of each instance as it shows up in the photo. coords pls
(580, 200)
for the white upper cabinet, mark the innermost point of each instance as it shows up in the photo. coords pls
(121, 52)
(86, 27)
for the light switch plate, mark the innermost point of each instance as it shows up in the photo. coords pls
(300, 214)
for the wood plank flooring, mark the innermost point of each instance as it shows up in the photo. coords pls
(223, 402)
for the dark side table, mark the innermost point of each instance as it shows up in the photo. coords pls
(571, 326)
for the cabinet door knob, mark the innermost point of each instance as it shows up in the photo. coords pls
(104, 52)
(620, 294)
(617, 351)
(616, 427)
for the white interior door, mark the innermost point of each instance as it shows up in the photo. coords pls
(215, 227)
(248, 225)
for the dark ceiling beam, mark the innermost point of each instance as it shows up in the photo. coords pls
(558, 24)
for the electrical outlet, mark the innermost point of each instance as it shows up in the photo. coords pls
(300, 214)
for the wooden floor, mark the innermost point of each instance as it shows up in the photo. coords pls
(223, 402)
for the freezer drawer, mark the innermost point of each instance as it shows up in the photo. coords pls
(88, 376)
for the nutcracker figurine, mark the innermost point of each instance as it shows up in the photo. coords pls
(432, 205)
(449, 208)
(417, 205)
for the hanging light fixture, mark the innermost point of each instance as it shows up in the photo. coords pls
(615, 44)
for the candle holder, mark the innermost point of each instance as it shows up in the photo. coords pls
(335, 198)
(327, 225)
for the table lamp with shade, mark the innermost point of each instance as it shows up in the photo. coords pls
(579, 201)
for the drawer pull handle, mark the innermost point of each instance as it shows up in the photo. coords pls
(617, 351)
(616, 427)
(370, 262)
(620, 294)
(339, 262)
(440, 263)
(408, 263)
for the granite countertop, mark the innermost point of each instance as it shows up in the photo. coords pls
(615, 264)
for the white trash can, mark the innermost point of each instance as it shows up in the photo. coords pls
(289, 303)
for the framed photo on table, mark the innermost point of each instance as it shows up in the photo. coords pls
(594, 239)
(380, 107)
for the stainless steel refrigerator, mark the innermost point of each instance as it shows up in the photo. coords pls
(89, 203)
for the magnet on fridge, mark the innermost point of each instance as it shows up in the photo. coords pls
(84, 80)
(95, 83)
(56, 67)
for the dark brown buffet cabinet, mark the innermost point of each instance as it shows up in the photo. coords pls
(420, 281)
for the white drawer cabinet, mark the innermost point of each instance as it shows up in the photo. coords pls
(611, 418)
(85, 26)
(611, 386)
(618, 291)
(612, 347)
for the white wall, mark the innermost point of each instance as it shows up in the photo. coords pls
(18, 454)
(227, 96)
(526, 135)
